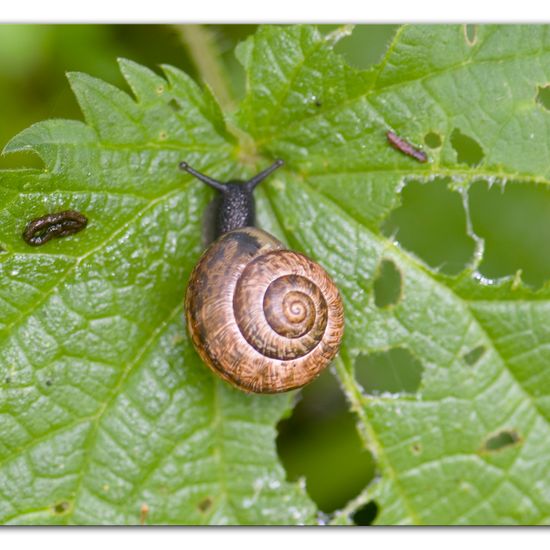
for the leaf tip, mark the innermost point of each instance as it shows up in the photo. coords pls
(75, 78)
(128, 68)
(125, 61)
(19, 143)
(74, 75)
(124, 64)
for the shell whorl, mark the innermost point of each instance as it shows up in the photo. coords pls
(265, 318)
(282, 314)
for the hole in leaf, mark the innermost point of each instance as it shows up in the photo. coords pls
(499, 441)
(515, 224)
(366, 514)
(431, 223)
(467, 149)
(61, 507)
(395, 371)
(432, 140)
(319, 441)
(21, 159)
(474, 355)
(543, 96)
(387, 284)
(470, 34)
(205, 504)
(366, 45)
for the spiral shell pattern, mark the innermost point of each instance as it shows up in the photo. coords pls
(264, 318)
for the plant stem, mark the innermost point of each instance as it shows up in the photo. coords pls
(202, 48)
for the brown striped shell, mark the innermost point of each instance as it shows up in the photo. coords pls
(264, 318)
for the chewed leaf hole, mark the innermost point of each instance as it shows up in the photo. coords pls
(320, 442)
(394, 371)
(22, 159)
(501, 440)
(61, 507)
(433, 140)
(387, 284)
(474, 355)
(543, 96)
(431, 223)
(366, 514)
(205, 504)
(470, 34)
(514, 222)
(468, 150)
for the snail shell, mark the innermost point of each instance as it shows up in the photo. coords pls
(264, 318)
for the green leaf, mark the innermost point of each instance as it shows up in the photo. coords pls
(107, 415)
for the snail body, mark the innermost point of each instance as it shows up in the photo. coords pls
(264, 318)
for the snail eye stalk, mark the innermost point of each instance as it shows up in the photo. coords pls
(258, 178)
(220, 186)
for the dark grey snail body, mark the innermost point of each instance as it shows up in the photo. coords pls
(264, 318)
(235, 206)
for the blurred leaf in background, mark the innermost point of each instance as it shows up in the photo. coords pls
(34, 60)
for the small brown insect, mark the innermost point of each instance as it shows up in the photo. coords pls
(405, 147)
(51, 226)
(143, 513)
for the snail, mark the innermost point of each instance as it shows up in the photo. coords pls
(264, 318)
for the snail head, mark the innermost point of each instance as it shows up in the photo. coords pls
(236, 208)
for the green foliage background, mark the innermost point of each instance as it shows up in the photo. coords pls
(436, 411)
